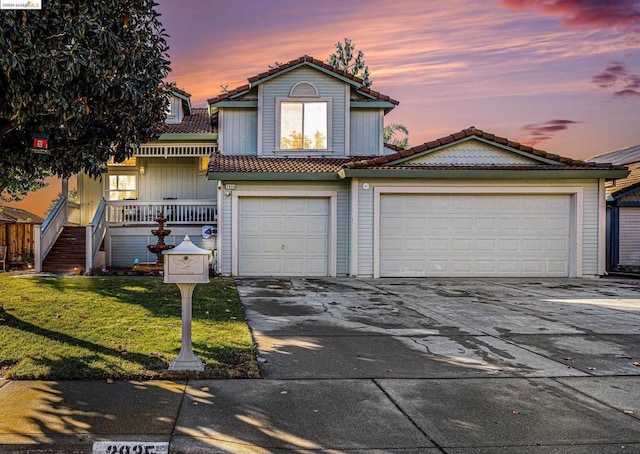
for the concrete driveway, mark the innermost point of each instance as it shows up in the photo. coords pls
(458, 365)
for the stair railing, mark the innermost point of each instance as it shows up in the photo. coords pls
(45, 235)
(95, 234)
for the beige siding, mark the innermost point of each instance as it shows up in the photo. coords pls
(240, 131)
(168, 178)
(366, 132)
(90, 192)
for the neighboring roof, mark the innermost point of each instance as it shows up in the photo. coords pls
(624, 185)
(465, 133)
(623, 156)
(196, 123)
(13, 215)
(179, 91)
(305, 60)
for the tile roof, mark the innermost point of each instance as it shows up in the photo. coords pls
(196, 123)
(627, 155)
(259, 164)
(305, 59)
(253, 163)
(469, 132)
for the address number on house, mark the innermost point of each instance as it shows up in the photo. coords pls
(130, 447)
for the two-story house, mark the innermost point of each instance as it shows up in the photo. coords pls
(306, 187)
(288, 175)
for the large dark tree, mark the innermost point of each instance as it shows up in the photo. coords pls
(87, 74)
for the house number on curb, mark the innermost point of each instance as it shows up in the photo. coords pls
(130, 447)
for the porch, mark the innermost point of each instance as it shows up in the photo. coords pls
(130, 217)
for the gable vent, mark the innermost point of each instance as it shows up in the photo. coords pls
(304, 90)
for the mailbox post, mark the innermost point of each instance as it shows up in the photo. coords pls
(186, 265)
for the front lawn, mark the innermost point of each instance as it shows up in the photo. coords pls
(118, 328)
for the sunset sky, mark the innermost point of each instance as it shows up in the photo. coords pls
(561, 75)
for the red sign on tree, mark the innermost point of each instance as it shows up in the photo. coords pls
(41, 141)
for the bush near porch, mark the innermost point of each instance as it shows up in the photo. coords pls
(118, 328)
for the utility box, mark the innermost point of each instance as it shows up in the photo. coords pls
(186, 264)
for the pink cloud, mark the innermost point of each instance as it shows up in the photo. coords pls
(623, 14)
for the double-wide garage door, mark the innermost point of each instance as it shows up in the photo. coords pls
(280, 236)
(474, 235)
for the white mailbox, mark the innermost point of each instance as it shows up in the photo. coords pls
(186, 263)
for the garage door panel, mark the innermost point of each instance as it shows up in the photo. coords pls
(270, 245)
(250, 224)
(283, 236)
(251, 245)
(317, 246)
(317, 225)
(474, 235)
(533, 245)
(271, 225)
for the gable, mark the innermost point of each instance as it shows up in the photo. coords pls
(309, 62)
(472, 152)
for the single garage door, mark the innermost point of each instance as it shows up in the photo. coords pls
(629, 240)
(464, 235)
(279, 236)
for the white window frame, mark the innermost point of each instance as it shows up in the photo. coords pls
(109, 191)
(309, 99)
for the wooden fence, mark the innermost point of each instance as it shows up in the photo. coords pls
(19, 238)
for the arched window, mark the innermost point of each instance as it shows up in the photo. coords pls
(304, 90)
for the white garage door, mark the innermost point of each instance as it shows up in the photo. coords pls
(280, 236)
(474, 235)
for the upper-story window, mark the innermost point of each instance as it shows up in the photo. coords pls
(303, 119)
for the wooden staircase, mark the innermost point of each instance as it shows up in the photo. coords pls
(69, 251)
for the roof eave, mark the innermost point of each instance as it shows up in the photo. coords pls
(483, 174)
(298, 65)
(270, 176)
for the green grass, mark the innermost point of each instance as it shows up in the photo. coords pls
(119, 328)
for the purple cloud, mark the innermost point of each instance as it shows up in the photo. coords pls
(627, 93)
(610, 75)
(623, 14)
(615, 74)
(540, 132)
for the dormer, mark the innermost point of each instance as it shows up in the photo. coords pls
(303, 108)
(179, 106)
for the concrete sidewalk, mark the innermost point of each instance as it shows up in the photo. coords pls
(373, 366)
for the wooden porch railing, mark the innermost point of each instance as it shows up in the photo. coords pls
(177, 212)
